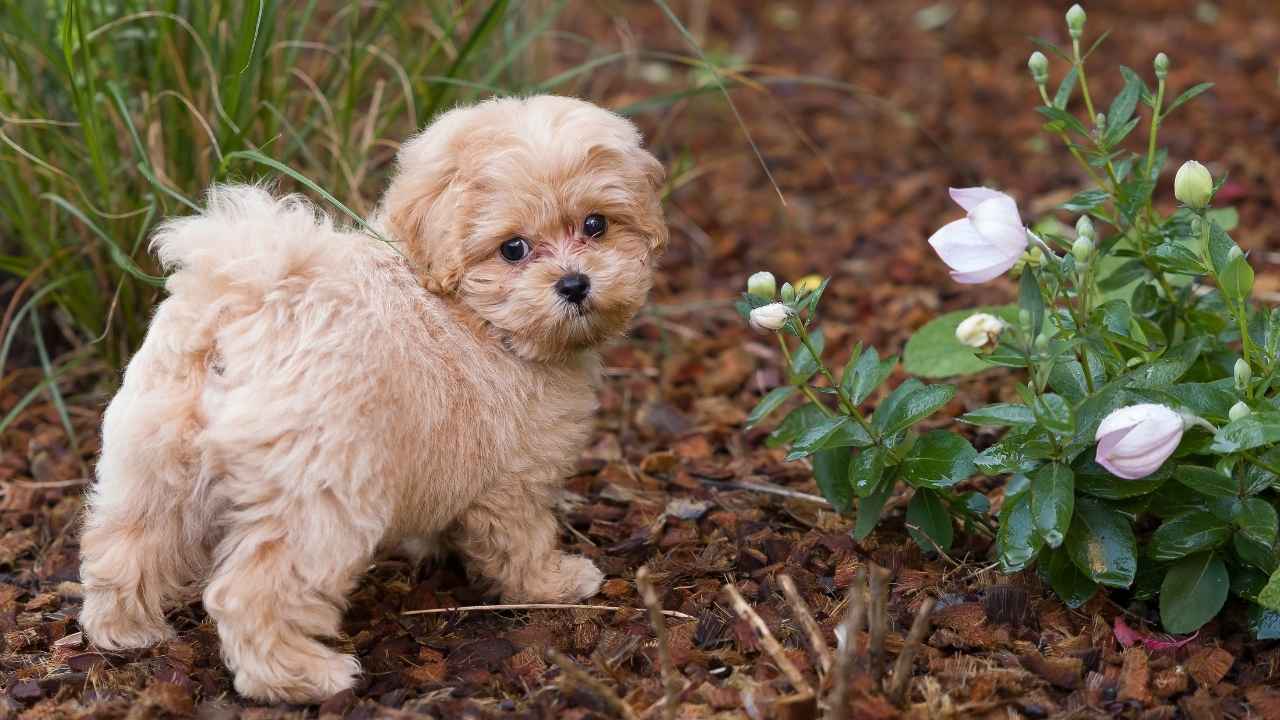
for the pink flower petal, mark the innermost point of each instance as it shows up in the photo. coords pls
(970, 198)
(1128, 637)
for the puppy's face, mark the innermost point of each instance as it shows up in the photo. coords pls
(540, 215)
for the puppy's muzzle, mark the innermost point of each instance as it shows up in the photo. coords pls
(573, 287)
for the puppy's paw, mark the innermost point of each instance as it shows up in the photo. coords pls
(299, 678)
(112, 622)
(586, 578)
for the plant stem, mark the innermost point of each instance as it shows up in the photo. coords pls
(1155, 128)
(804, 386)
(845, 400)
(1066, 140)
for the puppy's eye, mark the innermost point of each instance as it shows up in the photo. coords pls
(595, 225)
(515, 249)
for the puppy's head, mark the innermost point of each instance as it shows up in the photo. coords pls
(541, 215)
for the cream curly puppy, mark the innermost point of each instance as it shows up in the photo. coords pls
(308, 395)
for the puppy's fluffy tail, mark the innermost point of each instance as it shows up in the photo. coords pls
(244, 240)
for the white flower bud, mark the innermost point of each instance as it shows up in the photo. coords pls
(770, 318)
(1161, 64)
(1075, 21)
(1239, 410)
(1039, 66)
(1193, 185)
(1134, 441)
(788, 292)
(1234, 254)
(1243, 375)
(1082, 249)
(762, 285)
(1084, 227)
(979, 330)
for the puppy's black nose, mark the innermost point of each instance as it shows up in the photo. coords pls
(574, 287)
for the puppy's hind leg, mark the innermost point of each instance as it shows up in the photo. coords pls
(509, 536)
(141, 545)
(282, 574)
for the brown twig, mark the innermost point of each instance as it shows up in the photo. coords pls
(801, 611)
(768, 641)
(671, 681)
(902, 669)
(580, 677)
(542, 606)
(850, 627)
(878, 621)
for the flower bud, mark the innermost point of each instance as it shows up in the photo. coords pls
(1082, 248)
(1234, 254)
(1134, 441)
(1075, 21)
(1042, 342)
(788, 293)
(1193, 185)
(762, 285)
(979, 330)
(1039, 66)
(1084, 227)
(808, 283)
(1035, 257)
(1239, 410)
(769, 318)
(1024, 319)
(1100, 121)
(1161, 64)
(1244, 375)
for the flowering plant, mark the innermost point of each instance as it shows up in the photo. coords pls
(1143, 454)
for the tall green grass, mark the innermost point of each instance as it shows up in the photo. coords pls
(117, 113)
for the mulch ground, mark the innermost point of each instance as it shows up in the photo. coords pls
(938, 95)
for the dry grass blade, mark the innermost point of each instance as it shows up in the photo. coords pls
(800, 609)
(902, 669)
(541, 606)
(850, 627)
(671, 681)
(768, 641)
(582, 679)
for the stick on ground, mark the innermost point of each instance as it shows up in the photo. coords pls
(850, 628)
(768, 641)
(902, 670)
(805, 618)
(878, 621)
(581, 678)
(671, 681)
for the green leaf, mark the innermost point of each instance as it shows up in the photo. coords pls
(1264, 623)
(1052, 501)
(1270, 595)
(1126, 101)
(911, 407)
(1073, 587)
(1174, 257)
(834, 432)
(803, 362)
(1101, 543)
(831, 472)
(1257, 521)
(1068, 121)
(1030, 299)
(939, 459)
(1001, 415)
(934, 352)
(770, 402)
(1207, 481)
(1086, 201)
(1068, 84)
(865, 373)
(795, 424)
(1186, 96)
(1093, 479)
(1247, 433)
(1236, 279)
(1186, 534)
(1017, 541)
(866, 469)
(869, 509)
(1193, 592)
(932, 522)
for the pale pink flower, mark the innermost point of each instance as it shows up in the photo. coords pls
(1134, 441)
(986, 243)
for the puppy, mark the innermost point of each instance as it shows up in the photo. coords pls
(307, 395)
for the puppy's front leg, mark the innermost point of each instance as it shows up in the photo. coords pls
(283, 572)
(509, 537)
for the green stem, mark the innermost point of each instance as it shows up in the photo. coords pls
(1155, 127)
(845, 400)
(804, 386)
(1066, 140)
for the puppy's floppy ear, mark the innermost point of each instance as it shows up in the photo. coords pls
(655, 176)
(421, 206)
